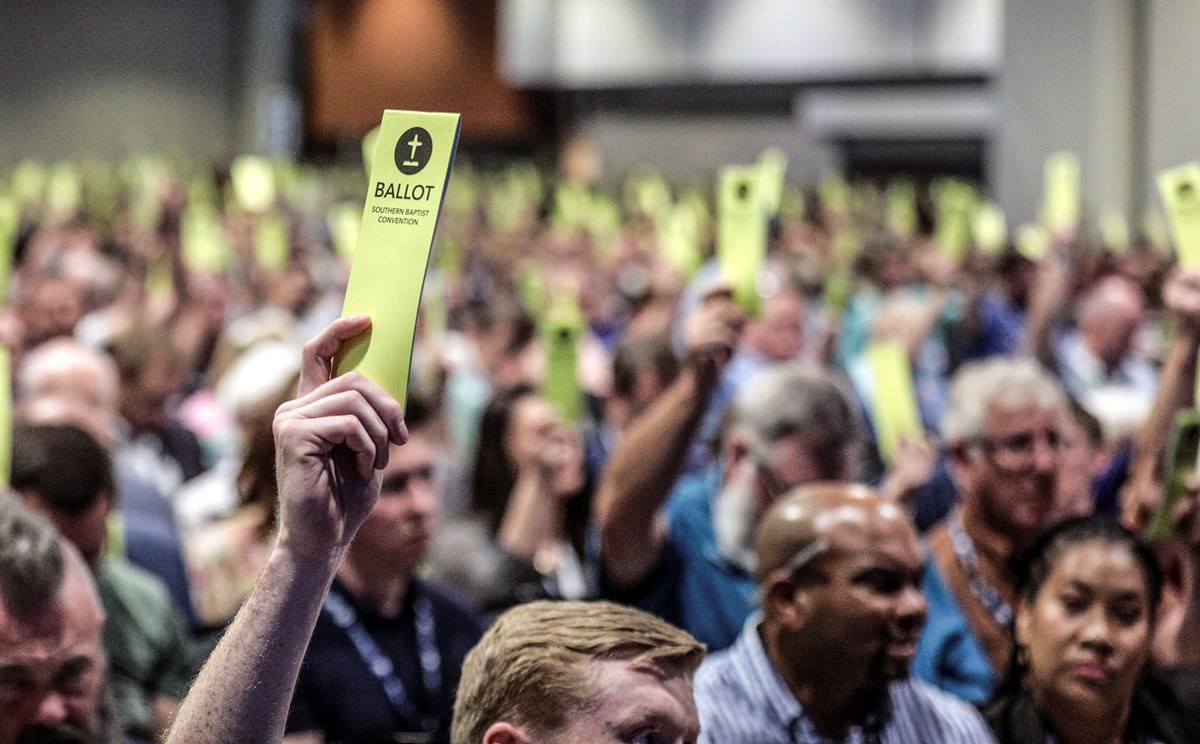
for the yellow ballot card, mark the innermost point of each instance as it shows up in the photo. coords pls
(344, 221)
(64, 192)
(272, 247)
(253, 181)
(29, 182)
(989, 227)
(893, 398)
(562, 326)
(408, 180)
(1180, 190)
(834, 194)
(773, 166)
(1114, 231)
(10, 223)
(741, 232)
(955, 202)
(679, 237)
(1033, 242)
(1061, 210)
(203, 242)
(902, 214)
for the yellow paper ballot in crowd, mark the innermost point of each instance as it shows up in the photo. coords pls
(1061, 211)
(989, 227)
(408, 180)
(272, 243)
(741, 232)
(893, 398)
(1114, 231)
(1180, 190)
(5, 415)
(562, 325)
(10, 223)
(253, 181)
(773, 166)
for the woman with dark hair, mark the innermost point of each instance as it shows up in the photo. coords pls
(530, 500)
(1088, 591)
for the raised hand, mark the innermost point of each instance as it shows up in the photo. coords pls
(330, 444)
(710, 333)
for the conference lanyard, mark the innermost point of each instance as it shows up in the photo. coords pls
(343, 616)
(988, 596)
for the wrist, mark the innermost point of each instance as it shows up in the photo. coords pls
(307, 554)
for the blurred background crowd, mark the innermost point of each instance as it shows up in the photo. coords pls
(158, 300)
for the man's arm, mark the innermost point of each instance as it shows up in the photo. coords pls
(644, 465)
(1176, 390)
(330, 444)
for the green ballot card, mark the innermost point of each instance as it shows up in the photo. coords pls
(562, 325)
(10, 223)
(409, 173)
(772, 164)
(1180, 463)
(1180, 190)
(741, 232)
(272, 243)
(893, 398)
(253, 181)
(1033, 242)
(989, 227)
(1061, 210)
(1114, 231)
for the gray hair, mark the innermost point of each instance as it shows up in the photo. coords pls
(32, 561)
(791, 399)
(59, 355)
(1013, 383)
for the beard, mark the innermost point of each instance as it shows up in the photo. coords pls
(735, 518)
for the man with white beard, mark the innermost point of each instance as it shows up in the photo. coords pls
(685, 550)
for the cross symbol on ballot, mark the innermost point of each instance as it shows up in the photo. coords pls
(416, 142)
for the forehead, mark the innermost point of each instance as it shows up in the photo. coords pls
(1101, 566)
(531, 410)
(1006, 418)
(70, 625)
(629, 695)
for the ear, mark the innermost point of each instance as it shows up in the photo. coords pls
(505, 733)
(736, 450)
(787, 603)
(962, 460)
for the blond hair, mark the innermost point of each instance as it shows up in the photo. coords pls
(530, 668)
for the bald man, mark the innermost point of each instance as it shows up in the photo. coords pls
(826, 658)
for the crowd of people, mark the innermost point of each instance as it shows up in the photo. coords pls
(702, 536)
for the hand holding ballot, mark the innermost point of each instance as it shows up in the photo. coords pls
(711, 332)
(1181, 297)
(331, 442)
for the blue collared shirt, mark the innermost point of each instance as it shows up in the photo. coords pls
(743, 700)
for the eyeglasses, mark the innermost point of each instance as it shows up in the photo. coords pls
(400, 481)
(1019, 451)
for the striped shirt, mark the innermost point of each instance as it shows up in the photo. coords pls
(743, 700)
